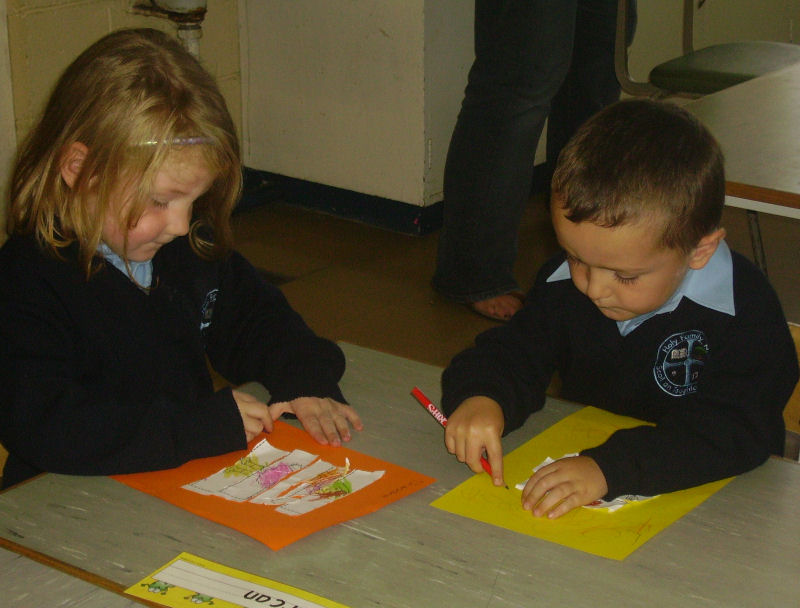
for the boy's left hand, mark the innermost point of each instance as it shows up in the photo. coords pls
(564, 485)
(326, 420)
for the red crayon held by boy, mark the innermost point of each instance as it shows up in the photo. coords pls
(442, 419)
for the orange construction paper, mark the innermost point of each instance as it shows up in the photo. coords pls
(262, 522)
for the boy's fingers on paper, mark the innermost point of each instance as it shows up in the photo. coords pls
(563, 507)
(496, 463)
(474, 454)
(555, 502)
(537, 488)
(563, 485)
(450, 440)
(456, 444)
(460, 451)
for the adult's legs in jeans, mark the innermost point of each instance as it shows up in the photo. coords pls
(522, 49)
(591, 83)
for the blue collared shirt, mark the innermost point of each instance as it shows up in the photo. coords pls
(140, 273)
(710, 286)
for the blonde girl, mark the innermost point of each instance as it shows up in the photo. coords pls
(119, 285)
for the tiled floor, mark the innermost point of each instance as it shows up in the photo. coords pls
(357, 283)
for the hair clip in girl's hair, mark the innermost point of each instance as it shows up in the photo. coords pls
(179, 141)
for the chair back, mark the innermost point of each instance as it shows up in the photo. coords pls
(698, 72)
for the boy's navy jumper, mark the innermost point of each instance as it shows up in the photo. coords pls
(714, 383)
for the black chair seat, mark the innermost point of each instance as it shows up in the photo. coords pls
(723, 65)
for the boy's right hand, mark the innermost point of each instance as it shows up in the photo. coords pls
(475, 427)
(255, 415)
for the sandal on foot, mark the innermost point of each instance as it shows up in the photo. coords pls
(487, 308)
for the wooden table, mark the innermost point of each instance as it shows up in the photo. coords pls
(739, 548)
(757, 124)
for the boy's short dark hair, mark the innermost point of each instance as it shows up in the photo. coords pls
(644, 159)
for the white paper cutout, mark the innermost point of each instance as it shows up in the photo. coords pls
(295, 482)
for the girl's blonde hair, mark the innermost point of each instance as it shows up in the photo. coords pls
(132, 98)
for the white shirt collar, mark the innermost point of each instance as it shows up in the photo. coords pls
(710, 286)
(140, 273)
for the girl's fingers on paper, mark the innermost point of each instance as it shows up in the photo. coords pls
(256, 416)
(326, 420)
(334, 421)
(315, 419)
(255, 425)
(329, 429)
(277, 410)
(342, 426)
(251, 431)
(349, 415)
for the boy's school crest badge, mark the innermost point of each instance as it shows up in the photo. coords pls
(679, 362)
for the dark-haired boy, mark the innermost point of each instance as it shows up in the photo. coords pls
(645, 313)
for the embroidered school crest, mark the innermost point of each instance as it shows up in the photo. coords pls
(680, 360)
(208, 310)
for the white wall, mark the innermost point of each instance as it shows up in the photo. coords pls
(363, 94)
(357, 94)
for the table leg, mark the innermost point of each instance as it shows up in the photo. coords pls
(755, 239)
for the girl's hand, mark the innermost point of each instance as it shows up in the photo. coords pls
(255, 414)
(564, 485)
(326, 420)
(474, 428)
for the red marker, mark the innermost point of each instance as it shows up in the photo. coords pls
(442, 419)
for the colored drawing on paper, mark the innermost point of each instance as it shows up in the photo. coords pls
(269, 476)
(295, 482)
(243, 467)
(609, 534)
(266, 491)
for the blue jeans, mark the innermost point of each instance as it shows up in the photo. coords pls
(532, 58)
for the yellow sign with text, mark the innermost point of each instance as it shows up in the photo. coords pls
(190, 580)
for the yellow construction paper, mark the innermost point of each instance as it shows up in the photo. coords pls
(614, 535)
(189, 580)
